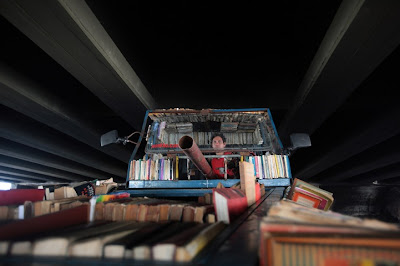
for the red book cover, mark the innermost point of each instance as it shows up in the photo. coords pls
(306, 199)
(228, 202)
(258, 191)
(45, 223)
(323, 202)
(19, 196)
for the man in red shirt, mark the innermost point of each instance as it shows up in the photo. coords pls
(218, 142)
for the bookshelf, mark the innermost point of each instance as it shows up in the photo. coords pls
(249, 132)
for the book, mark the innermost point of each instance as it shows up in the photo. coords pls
(210, 218)
(307, 198)
(143, 251)
(283, 225)
(188, 213)
(106, 186)
(208, 198)
(247, 181)
(153, 213)
(122, 248)
(175, 212)
(228, 203)
(317, 237)
(85, 189)
(165, 249)
(296, 212)
(310, 195)
(64, 192)
(19, 196)
(44, 223)
(201, 212)
(289, 249)
(25, 245)
(186, 252)
(92, 246)
(164, 212)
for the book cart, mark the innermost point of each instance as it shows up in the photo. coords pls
(249, 132)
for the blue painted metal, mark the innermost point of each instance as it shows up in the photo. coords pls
(181, 184)
(276, 182)
(273, 125)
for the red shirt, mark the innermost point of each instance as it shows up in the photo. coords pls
(218, 166)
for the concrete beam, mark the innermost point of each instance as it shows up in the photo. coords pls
(29, 175)
(39, 169)
(17, 128)
(29, 154)
(380, 128)
(30, 99)
(361, 36)
(71, 34)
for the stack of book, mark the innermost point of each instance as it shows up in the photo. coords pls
(229, 126)
(310, 195)
(293, 234)
(184, 127)
(247, 127)
(124, 228)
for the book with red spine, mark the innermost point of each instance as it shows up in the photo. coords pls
(19, 196)
(228, 203)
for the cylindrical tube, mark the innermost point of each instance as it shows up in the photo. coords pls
(190, 148)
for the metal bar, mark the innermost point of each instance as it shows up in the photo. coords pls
(136, 184)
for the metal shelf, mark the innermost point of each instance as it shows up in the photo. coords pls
(189, 188)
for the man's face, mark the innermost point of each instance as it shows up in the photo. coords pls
(218, 143)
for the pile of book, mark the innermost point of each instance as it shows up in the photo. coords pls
(122, 227)
(310, 195)
(293, 234)
(184, 127)
(229, 126)
(247, 127)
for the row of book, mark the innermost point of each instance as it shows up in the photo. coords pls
(270, 166)
(123, 209)
(265, 167)
(154, 169)
(68, 234)
(294, 234)
(123, 227)
(206, 117)
(204, 138)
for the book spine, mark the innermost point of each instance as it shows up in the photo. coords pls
(288, 166)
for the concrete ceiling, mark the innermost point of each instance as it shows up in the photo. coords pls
(71, 70)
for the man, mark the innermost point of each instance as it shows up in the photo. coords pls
(218, 142)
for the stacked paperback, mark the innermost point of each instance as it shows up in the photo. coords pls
(310, 195)
(293, 234)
